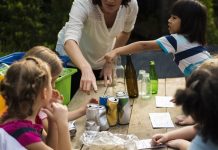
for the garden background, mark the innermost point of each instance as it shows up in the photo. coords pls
(26, 23)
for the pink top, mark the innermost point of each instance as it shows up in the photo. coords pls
(24, 131)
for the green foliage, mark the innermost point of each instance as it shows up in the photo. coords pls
(26, 23)
(212, 30)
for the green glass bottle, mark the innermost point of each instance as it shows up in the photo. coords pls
(153, 78)
(131, 80)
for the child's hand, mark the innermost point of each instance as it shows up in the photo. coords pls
(184, 120)
(109, 57)
(84, 106)
(57, 112)
(56, 96)
(173, 100)
(158, 139)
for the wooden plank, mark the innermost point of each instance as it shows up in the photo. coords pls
(120, 86)
(79, 99)
(172, 84)
(140, 124)
(118, 129)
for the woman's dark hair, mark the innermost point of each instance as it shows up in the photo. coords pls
(200, 100)
(22, 84)
(193, 17)
(98, 2)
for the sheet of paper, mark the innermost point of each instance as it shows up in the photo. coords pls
(146, 144)
(164, 101)
(161, 120)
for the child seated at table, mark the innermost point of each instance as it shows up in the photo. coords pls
(51, 58)
(27, 89)
(187, 26)
(198, 100)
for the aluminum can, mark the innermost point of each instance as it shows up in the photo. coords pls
(103, 100)
(92, 117)
(102, 120)
(72, 128)
(112, 113)
(124, 108)
(96, 119)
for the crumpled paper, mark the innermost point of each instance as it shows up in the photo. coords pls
(108, 141)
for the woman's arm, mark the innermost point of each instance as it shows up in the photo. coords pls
(88, 79)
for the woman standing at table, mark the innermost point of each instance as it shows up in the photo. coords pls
(95, 27)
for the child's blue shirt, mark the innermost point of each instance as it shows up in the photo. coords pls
(199, 144)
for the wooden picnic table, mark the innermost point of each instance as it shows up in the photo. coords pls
(140, 124)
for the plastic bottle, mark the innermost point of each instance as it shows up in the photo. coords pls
(153, 78)
(146, 86)
(140, 82)
(131, 81)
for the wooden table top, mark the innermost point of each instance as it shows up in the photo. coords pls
(140, 124)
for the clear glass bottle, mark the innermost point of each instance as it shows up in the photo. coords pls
(139, 79)
(153, 78)
(131, 80)
(119, 71)
(146, 86)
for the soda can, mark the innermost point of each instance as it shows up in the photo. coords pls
(103, 100)
(124, 108)
(92, 117)
(112, 114)
(72, 128)
(102, 121)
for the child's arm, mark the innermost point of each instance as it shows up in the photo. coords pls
(131, 48)
(187, 133)
(37, 146)
(52, 134)
(59, 114)
(81, 111)
(179, 144)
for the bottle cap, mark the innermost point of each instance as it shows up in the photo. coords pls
(142, 71)
(152, 62)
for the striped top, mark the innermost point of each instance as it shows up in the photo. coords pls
(188, 56)
(24, 131)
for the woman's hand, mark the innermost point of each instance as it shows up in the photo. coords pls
(88, 81)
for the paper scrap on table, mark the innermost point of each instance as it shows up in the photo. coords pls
(164, 101)
(161, 120)
(146, 143)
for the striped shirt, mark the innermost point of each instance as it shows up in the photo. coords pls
(188, 56)
(24, 131)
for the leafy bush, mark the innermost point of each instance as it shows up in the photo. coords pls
(212, 30)
(26, 23)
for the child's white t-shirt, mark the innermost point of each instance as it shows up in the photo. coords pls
(188, 56)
